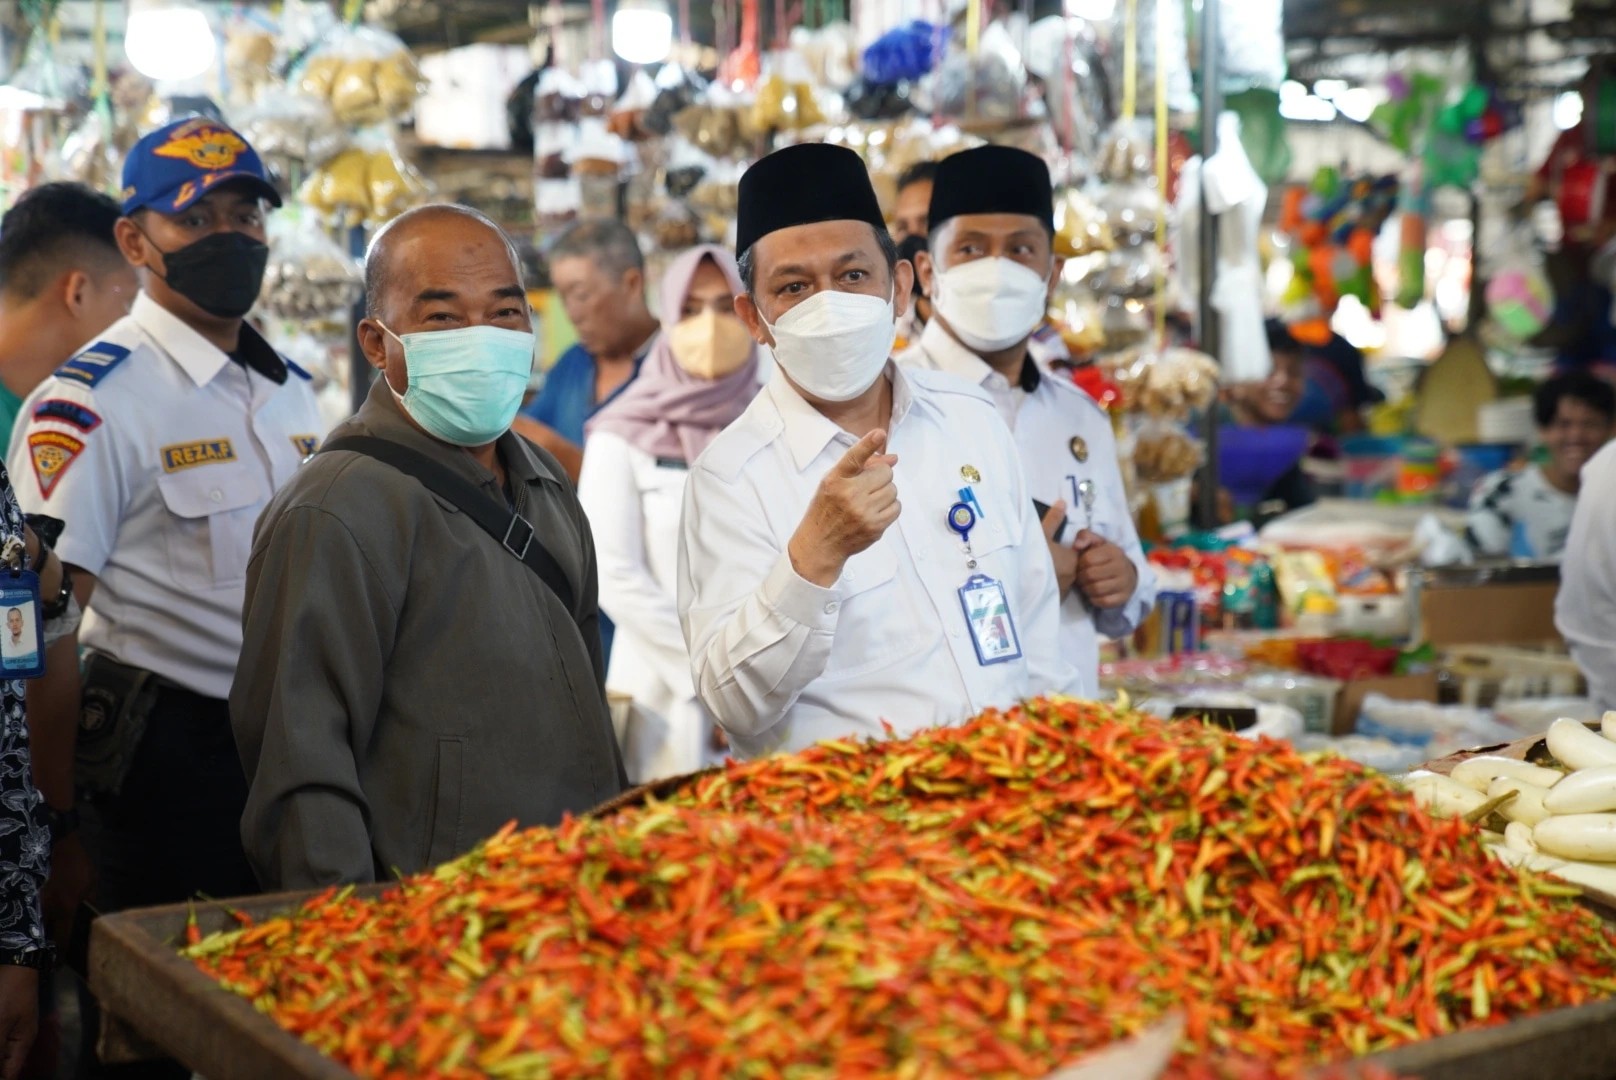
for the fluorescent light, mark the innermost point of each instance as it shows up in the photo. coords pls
(1291, 90)
(1330, 89)
(1356, 104)
(642, 35)
(1307, 108)
(1568, 110)
(169, 42)
(1092, 10)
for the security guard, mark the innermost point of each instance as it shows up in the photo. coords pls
(989, 272)
(159, 445)
(859, 548)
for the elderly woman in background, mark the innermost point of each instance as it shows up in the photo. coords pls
(701, 374)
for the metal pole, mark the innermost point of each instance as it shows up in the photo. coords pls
(1211, 108)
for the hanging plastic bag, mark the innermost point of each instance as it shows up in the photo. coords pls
(366, 74)
(309, 277)
(290, 129)
(1519, 298)
(905, 54)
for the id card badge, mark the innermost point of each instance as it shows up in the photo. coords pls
(22, 630)
(987, 613)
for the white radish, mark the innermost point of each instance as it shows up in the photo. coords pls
(1590, 837)
(1586, 791)
(1518, 837)
(1444, 797)
(1607, 724)
(1575, 747)
(1527, 807)
(1478, 772)
(1601, 879)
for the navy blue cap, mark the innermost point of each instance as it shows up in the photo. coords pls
(176, 165)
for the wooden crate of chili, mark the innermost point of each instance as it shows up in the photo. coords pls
(993, 900)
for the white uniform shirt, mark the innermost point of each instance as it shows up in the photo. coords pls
(159, 452)
(783, 663)
(1585, 610)
(633, 502)
(1046, 420)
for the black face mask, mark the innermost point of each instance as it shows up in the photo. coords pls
(220, 273)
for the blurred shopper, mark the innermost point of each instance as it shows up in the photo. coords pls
(599, 274)
(62, 282)
(989, 275)
(699, 377)
(422, 662)
(910, 215)
(1260, 448)
(1526, 513)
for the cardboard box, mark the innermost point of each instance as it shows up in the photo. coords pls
(1489, 614)
(1349, 702)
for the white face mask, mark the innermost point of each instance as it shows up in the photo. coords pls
(835, 344)
(991, 304)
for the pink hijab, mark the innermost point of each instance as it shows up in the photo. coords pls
(666, 411)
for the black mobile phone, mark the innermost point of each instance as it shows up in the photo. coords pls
(1043, 512)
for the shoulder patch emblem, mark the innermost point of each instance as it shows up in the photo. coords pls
(67, 412)
(299, 372)
(52, 452)
(306, 444)
(91, 366)
(204, 452)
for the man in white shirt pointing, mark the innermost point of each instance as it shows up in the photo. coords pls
(989, 272)
(859, 549)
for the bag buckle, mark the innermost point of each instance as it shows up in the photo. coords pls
(523, 538)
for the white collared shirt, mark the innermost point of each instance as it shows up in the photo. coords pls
(1045, 421)
(783, 663)
(1585, 609)
(159, 452)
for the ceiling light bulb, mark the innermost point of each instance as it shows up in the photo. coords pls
(642, 35)
(169, 42)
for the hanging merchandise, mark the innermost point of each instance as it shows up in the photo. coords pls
(293, 132)
(1263, 132)
(1238, 196)
(1251, 45)
(1178, 84)
(1333, 223)
(1414, 215)
(1599, 108)
(830, 52)
(249, 57)
(980, 87)
(366, 74)
(1519, 297)
(369, 183)
(785, 96)
(628, 111)
(677, 89)
(309, 277)
(905, 54)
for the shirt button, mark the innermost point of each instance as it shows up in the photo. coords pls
(216, 495)
(832, 608)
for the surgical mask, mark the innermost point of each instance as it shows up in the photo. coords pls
(835, 344)
(220, 273)
(467, 384)
(991, 304)
(710, 345)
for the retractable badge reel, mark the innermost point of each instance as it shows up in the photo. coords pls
(22, 627)
(982, 598)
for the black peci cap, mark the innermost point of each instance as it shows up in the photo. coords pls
(992, 180)
(802, 185)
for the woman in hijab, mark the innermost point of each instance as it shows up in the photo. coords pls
(701, 374)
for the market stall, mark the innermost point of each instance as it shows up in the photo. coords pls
(995, 899)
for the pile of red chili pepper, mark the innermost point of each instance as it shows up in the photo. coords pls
(991, 900)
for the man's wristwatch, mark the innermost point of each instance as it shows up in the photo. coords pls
(57, 607)
(60, 823)
(40, 959)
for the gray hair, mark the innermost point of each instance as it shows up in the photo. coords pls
(378, 271)
(610, 245)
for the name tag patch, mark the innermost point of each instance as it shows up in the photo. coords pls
(52, 452)
(306, 444)
(188, 455)
(67, 412)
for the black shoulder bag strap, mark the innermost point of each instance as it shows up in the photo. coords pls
(511, 530)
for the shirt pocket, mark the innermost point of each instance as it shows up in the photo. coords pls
(208, 532)
(878, 625)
